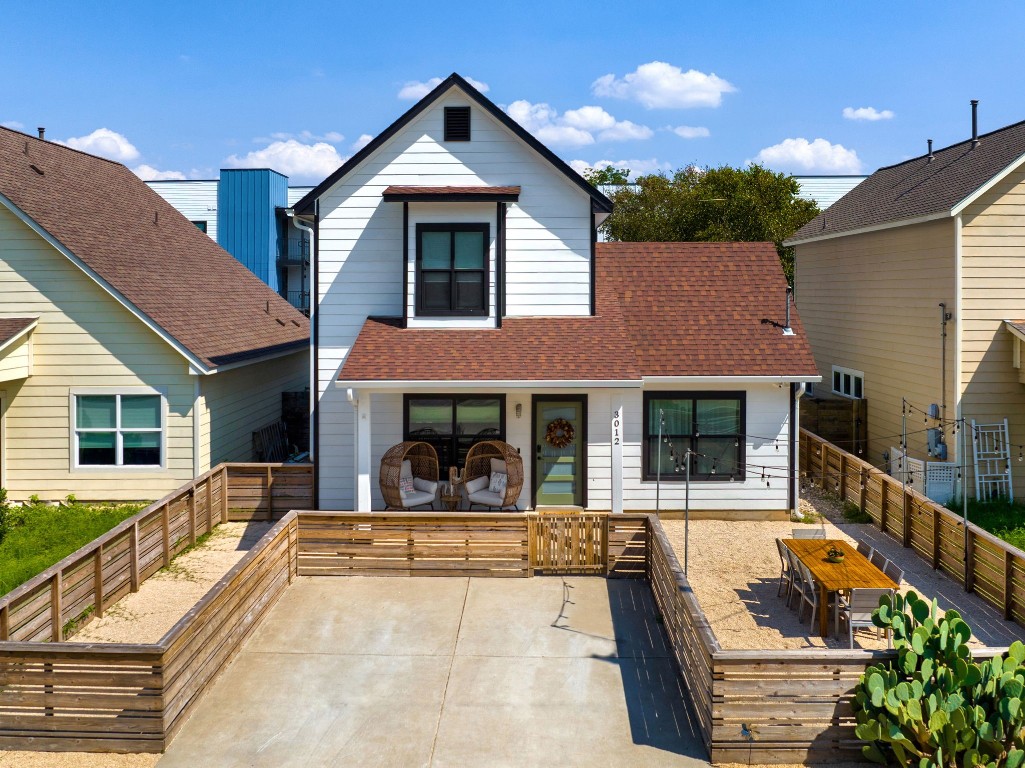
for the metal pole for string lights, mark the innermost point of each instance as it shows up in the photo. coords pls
(658, 471)
(686, 513)
(964, 493)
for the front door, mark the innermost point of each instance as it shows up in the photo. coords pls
(560, 438)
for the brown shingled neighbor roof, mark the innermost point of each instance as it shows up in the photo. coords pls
(147, 251)
(10, 327)
(920, 187)
(663, 309)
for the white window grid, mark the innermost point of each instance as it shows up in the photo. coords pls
(117, 429)
(847, 382)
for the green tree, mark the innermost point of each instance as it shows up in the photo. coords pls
(708, 204)
(607, 176)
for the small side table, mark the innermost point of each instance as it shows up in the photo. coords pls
(451, 500)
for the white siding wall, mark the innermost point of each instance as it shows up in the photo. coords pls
(360, 251)
(767, 416)
(195, 200)
(240, 401)
(84, 339)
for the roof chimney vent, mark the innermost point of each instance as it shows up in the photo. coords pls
(975, 123)
(930, 157)
(42, 132)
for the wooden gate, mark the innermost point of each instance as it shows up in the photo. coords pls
(574, 543)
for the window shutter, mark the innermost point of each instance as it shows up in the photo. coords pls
(457, 123)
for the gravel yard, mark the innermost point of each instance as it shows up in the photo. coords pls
(146, 615)
(734, 571)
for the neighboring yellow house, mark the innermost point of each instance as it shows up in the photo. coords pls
(134, 352)
(909, 287)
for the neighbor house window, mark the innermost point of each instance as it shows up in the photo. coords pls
(453, 423)
(709, 424)
(115, 430)
(201, 226)
(452, 269)
(848, 382)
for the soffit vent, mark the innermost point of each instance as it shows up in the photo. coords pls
(457, 123)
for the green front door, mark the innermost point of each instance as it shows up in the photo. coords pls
(559, 453)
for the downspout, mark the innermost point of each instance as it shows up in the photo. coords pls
(796, 391)
(300, 224)
(196, 431)
(962, 454)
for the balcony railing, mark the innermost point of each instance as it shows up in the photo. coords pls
(300, 300)
(297, 252)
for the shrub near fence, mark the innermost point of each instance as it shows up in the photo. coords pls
(982, 562)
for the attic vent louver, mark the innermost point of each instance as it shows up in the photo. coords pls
(457, 123)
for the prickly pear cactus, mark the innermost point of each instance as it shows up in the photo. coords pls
(936, 706)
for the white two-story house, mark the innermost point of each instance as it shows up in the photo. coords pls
(460, 295)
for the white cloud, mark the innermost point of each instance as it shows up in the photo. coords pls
(105, 143)
(658, 84)
(362, 141)
(149, 173)
(691, 132)
(332, 137)
(574, 127)
(414, 90)
(14, 125)
(818, 156)
(637, 167)
(867, 113)
(296, 160)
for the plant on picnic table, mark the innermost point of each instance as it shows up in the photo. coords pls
(936, 706)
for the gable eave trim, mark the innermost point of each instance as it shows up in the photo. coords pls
(944, 214)
(599, 201)
(121, 299)
(19, 335)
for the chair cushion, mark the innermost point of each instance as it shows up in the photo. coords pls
(406, 485)
(427, 486)
(498, 483)
(416, 498)
(406, 470)
(497, 465)
(477, 484)
(487, 498)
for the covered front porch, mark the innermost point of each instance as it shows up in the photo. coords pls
(606, 445)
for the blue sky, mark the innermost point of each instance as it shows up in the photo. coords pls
(186, 88)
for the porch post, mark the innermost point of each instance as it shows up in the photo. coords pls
(617, 434)
(363, 451)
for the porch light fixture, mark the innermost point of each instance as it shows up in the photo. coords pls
(519, 410)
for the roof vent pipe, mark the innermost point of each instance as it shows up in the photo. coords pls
(787, 330)
(975, 123)
(930, 157)
(42, 132)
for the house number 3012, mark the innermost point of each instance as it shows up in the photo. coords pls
(617, 423)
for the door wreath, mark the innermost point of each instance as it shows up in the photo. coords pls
(560, 433)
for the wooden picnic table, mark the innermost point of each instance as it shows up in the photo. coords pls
(855, 572)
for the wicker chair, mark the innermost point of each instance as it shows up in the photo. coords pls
(422, 465)
(479, 466)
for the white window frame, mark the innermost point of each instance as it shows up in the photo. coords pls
(852, 374)
(73, 396)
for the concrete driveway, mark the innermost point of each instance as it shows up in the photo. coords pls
(448, 672)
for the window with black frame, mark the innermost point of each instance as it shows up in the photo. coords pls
(710, 424)
(453, 423)
(452, 269)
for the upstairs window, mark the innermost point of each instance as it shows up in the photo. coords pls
(452, 269)
(848, 382)
(457, 123)
(119, 430)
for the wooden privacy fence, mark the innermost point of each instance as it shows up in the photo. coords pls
(986, 565)
(109, 567)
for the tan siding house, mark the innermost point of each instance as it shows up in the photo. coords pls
(872, 271)
(109, 389)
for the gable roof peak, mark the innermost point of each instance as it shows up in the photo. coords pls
(599, 202)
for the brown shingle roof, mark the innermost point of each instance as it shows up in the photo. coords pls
(664, 309)
(451, 193)
(12, 326)
(918, 188)
(147, 251)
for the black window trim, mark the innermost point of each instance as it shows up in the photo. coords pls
(454, 437)
(485, 310)
(650, 473)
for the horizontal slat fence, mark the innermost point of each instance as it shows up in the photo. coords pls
(986, 565)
